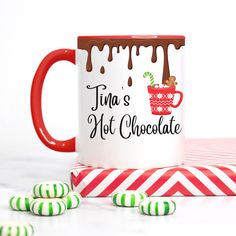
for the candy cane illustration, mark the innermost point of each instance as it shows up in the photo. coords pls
(151, 77)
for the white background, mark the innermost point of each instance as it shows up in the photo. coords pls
(30, 29)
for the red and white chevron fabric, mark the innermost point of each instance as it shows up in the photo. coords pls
(209, 169)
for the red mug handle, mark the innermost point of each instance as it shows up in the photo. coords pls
(36, 103)
(180, 99)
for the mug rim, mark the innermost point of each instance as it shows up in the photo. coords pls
(143, 37)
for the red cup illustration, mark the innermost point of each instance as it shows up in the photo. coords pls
(162, 99)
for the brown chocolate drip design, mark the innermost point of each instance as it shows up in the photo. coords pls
(130, 82)
(130, 63)
(102, 70)
(166, 69)
(87, 44)
(137, 50)
(110, 56)
(154, 54)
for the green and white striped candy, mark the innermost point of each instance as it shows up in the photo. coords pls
(16, 229)
(151, 77)
(48, 207)
(157, 207)
(128, 198)
(21, 202)
(72, 200)
(52, 189)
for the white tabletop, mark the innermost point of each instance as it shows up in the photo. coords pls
(97, 216)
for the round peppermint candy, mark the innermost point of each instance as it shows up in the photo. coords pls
(21, 202)
(16, 229)
(48, 207)
(52, 189)
(128, 198)
(72, 200)
(157, 207)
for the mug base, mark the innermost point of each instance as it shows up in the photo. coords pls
(130, 166)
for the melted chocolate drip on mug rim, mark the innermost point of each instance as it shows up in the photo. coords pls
(87, 44)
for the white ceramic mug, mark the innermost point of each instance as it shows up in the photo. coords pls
(130, 101)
